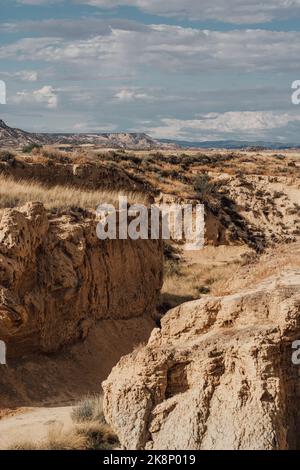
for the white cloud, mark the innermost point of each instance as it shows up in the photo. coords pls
(223, 125)
(128, 95)
(23, 75)
(38, 2)
(70, 28)
(27, 75)
(45, 95)
(231, 11)
(83, 127)
(173, 49)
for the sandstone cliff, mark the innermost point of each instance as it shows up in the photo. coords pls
(57, 279)
(217, 375)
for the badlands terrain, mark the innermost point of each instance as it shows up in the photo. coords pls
(161, 347)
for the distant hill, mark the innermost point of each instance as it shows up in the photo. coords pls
(231, 144)
(11, 137)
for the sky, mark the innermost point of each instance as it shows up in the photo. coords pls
(191, 70)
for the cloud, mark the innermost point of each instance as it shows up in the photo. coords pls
(172, 49)
(213, 126)
(23, 75)
(231, 11)
(45, 96)
(38, 2)
(128, 95)
(71, 28)
(83, 127)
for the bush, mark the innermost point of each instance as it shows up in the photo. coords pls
(203, 185)
(6, 156)
(89, 408)
(172, 268)
(30, 147)
(99, 436)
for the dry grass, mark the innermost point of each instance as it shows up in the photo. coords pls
(57, 439)
(24, 445)
(16, 193)
(89, 408)
(98, 436)
(90, 431)
(52, 153)
(198, 276)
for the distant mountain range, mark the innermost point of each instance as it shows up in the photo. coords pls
(231, 144)
(12, 137)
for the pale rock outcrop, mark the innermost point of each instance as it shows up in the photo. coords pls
(217, 375)
(57, 279)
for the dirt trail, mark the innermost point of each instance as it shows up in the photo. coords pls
(40, 391)
(60, 380)
(33, 425)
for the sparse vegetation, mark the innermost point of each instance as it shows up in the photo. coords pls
(53, 154)
(89, 408)
(204, 185)
(6, 156)
(90, 431)
(30, 147)
(16, 193)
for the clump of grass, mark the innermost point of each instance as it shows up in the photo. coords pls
(53, 154)
(57, 439)
(99, 436)
(203, 185)
(203, 290)
(28, 148)
(172, 267)
(89, 408)
(6, 156)
(23, 445)
(91, 424)
(16, 193)
(89, 432)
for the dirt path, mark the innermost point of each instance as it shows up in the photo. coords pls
(33, 425)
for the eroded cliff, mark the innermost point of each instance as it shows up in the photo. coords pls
(217, 375)
(57, 279)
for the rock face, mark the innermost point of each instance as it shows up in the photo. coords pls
(57, 279)
(217, 375)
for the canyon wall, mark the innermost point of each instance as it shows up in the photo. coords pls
(217, 375)
(57, 279)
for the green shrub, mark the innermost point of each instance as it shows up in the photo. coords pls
(203, 185)
(28, 148)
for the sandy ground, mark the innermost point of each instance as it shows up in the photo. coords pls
(63, 378)
(33, 425)
(216, 255)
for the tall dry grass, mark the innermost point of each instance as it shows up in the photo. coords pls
(90, 408)
(15, 193)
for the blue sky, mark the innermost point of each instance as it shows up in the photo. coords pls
(181, 69)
